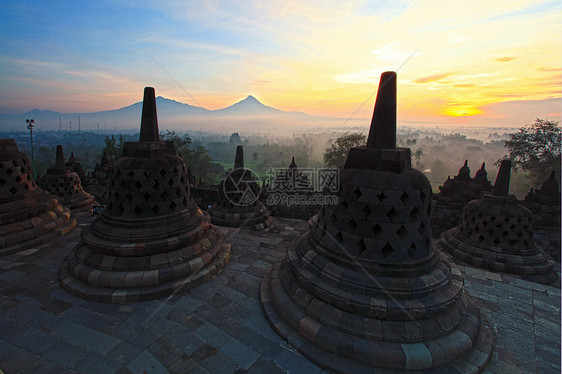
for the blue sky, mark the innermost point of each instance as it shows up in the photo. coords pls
(321, 57)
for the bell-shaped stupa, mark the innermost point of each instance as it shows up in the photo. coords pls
(364, 291)
(545, 204)
(61, 181)
(151, 240)
(454, 194)
(496, 233)
(29, 215)
(238, 202)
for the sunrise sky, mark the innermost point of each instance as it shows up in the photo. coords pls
(461, 62)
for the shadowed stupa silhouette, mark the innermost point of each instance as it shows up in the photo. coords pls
(151, 240)
(61, 181)
(496, 233)
(238, 202)
(29, 215)
(364, 291)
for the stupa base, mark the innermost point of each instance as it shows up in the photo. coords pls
(538, 268)
(39, 230)
(311, 338)
(124, 295)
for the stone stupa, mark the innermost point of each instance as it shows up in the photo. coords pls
(61, 181)
(238, 202)
(454, 194)
(151, 240)
(545, 204)
(496, 233)
(364, 291)
(29, 215)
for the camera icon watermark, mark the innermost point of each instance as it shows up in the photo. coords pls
(242, 186)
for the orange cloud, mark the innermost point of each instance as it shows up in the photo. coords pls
(432, 78)
(505, 59)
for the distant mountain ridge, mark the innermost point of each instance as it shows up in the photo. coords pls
(248, 114)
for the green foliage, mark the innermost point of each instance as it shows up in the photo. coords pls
(113, 148)
(235, 139)
(195, 156)
(334, 156)
(535, 148)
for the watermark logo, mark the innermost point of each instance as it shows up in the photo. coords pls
(242, 186)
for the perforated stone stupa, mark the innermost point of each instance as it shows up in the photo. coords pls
(61, 181)
(151, 240)
(29, 215)
(238, 202)
(455, 194)
(496, 233)
(364, 291)
(99, 180)
(545, 204)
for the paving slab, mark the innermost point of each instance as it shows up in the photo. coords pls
(219, 327)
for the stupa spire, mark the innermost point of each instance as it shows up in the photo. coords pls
(149, 120)
(239, 159)
(59, 159)
(382, 134)
(501, 186)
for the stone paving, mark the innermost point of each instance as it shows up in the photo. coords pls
(219, 326)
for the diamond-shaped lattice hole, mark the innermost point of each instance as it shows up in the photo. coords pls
(333, 219)
(519, 220)
(387, 250)
(138, 185)
(137, 210)
(366, 211)
(131, 174)
(376, 229)
(526, 227)
(184, 202)
(404, 198)
(481, 238)
(499, 225)
(492, 218)
(480, 215)
(172, 206)
(2, 182)
(391, 214)
(512, 242)
(120, 209)
(22, 170)
(412, 251)
(178, 192)
(162, 173)
(429, 210)
(422, 196)
(155, 209)
(14, 162)
(182, 179)
(401, 232)
(381, 196)
(26, 187)
(519, 234)
(10, 171)
(505, 234)
(421, 230)
(477, 229)
(129, 197)
(117, 173)
(352, 225)
(484, 223)
(356, 193)
(414, 213)
(146, 196)
(156, 185)
(164, 195)
(344, 204)
(13, 190)
(339, 237)
(490, 231)
(147, 173)
(361, 245)
(176, 171)
(171, 182)
(497, 241)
